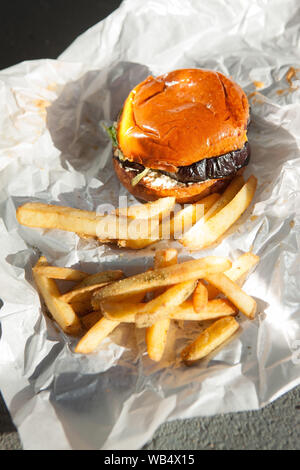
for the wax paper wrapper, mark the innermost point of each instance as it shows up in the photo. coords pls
(53, 149)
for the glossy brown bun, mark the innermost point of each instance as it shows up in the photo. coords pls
(185, 194)
(182, 117)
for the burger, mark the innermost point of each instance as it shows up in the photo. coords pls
(182, 134)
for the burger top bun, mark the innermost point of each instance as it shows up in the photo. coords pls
(182, 117)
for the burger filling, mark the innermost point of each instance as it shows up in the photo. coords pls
(221, 166)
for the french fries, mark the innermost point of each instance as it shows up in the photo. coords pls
(206, 289)
(85, 224)
(190, 270)
(83, 291)
(172, 227)
(159, 208)
(234, 293)
(156, 335)
(127, 312)
(200, 297)
(46, 216)
(237, 273)
(83, 295)
(124, 312)
(230, 192)
(187, 217)
(164, 258)
(179, 292)
(162, 305)
(156, 339)
(91, 340)
(147, 314)
(214, 309)
(196, 226)
(241, 268)
(201, 211)
(167, 292)
(204, 234)
(66, 274)
(210, 339)
(62, 312)
(100, 278)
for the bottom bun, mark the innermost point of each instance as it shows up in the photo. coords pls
(151, 189)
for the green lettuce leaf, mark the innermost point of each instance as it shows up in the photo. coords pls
(112, 132)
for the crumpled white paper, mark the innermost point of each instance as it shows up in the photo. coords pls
(53, 149)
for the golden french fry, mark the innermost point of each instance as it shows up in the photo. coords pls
(130, 298)
(91, 319)
(83, 295)
(85, 223)
(156, 335)
(149, 281)
(100, 278)
(156, 339)
(230, 192)
(204, 234)
(126, 313)
(159, 208)
(204, 209)
(147, 314)
(37, 215)
(234, 293)
(66, 274)
(237, 273)
(164, 258)
(242, 267)
(200, 296)
(160, 307)
(214, 309)
(140, 233)
(93, 338)
(83, 291)
(210, 339)
(187, 217)
(62, 313)
(170, 227)
(212, 292)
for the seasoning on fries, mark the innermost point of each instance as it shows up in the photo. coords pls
(171, 291)
(83, 291)
(126, 313)
(161, 307)
(148, 281)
